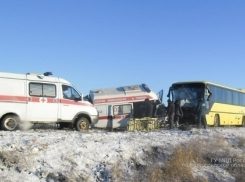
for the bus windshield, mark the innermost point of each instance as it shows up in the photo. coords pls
(188, 93)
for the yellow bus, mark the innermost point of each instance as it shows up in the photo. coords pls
(221, 105)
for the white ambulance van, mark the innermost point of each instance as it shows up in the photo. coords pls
(40, 98)
(116, 106)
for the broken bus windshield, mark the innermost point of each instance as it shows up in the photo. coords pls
(188, 93)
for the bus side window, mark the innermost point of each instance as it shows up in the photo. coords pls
(208, 93)
(207, 97)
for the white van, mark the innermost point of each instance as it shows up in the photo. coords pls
(41, 98)
(117, 105)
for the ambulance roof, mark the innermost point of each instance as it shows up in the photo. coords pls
(120, 94)
(33, 76)
(12, 75)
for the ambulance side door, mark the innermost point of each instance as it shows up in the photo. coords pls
(160, 107)
(70, 103)
(42, 104)
(160, 95)
(103, 117)
(121, 114)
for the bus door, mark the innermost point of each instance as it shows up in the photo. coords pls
(121, 114)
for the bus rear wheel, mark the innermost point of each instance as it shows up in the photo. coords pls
(243, 122)
(216, 120)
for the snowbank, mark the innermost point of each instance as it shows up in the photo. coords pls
(98, 155)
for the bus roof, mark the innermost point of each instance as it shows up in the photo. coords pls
(210, 83)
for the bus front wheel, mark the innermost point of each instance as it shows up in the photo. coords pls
(216, 120)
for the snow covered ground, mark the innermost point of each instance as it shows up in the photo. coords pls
(100, 155)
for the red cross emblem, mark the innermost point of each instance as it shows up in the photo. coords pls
(43, 100)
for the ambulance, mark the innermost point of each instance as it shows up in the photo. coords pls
(116, 106)
(41, 98)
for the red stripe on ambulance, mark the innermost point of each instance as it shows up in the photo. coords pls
(121, 99)
(10, 98)
(114, 117)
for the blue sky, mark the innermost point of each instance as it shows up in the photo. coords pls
(111, 43)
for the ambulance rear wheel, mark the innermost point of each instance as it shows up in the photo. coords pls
(82, 124)
(10, 123)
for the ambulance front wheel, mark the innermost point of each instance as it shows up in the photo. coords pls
(82, 124)
(10, 122)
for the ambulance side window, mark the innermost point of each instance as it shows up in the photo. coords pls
(69, 93)
(122, 109)
(42, 90)
(49, 90)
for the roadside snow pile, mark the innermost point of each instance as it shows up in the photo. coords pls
(98, 155)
